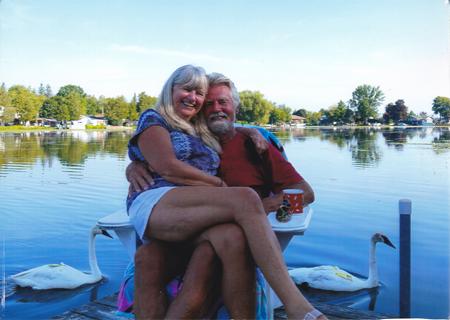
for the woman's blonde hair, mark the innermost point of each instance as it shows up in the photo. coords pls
(188, 76)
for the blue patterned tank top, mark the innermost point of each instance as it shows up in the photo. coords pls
(187, 148)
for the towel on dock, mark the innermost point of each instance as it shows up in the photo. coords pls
(126, 295)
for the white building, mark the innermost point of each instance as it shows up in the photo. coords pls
(85, 120)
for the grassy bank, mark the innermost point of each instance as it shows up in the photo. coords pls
(32, 128)
(24, 128)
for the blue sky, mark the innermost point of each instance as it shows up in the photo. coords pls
(302, 53)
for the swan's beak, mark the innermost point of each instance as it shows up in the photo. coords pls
(106, 234)
(387, 241)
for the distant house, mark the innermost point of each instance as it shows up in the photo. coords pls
(297, 121)
(43, 122)
(428, 121)
(414, 121)
(97, 120)
(85, 120)
(2, 114)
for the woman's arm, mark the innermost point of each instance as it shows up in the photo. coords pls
(157, 149)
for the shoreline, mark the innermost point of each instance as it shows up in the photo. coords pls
(17, 129)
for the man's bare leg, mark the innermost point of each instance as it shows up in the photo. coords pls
(156, 264)
(238, 280)
(201, 285)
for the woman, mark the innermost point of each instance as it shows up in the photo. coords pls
(173, 210)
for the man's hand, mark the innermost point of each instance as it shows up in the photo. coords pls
(272, 203)
(139, 176)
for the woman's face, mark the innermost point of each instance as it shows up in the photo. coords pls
(187, 101)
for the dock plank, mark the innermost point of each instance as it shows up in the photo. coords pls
(105, 309)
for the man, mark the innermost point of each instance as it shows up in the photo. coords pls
(267, 173)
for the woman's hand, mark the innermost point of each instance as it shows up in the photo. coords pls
(139, 176)
(261, 144)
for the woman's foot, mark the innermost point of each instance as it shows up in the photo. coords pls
(312, 314)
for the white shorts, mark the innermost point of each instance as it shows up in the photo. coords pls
(142, 207)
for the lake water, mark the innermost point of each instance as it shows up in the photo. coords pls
(55, 185)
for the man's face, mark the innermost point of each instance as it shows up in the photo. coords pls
(218, 109)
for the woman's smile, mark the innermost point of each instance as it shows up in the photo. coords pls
(187, 102)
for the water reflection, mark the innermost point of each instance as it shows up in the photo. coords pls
(364, 299)
(364, 143)
(364, 149)
(27, 295)
(441, 142)
(19, 151)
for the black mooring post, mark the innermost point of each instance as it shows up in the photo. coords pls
(404, 208)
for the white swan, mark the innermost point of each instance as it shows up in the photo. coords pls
(62, 276)
(335, 279)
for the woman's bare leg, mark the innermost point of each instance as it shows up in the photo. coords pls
(183, 212)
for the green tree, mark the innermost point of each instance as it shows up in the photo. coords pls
(75, 97)
(77, 105)
(287, 113)
(349, 115)
(41, 90)
(8, 115)
(300, 113)
(423, 115)
(396, 112)
(145, 102)
(116, 110)
(26, 102)
(93, 106)
(441, 106)
(254, 108)
(280, 114)
(365, 101)
(337, 113)
(57, 108)
(132, 112)
(48, 91)
(313, 117)
(5, 100)
(71, 89)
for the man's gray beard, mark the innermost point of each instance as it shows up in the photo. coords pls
(220, 127)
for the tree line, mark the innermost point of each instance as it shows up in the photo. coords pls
(70, 102)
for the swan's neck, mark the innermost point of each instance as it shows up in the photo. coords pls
(373, 270)
(95, 271)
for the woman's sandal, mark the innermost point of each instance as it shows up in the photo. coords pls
(314, 314)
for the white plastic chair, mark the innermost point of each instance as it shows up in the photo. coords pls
(119, 223)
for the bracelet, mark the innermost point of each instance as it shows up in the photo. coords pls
(313, 315)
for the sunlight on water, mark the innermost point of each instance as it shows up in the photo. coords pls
(54, 187)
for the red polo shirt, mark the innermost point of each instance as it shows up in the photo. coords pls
(240, 165)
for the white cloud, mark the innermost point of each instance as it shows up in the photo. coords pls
(16, 14)
(166, 52)
(192, 56)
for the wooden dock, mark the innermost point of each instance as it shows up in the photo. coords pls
(105, 309)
